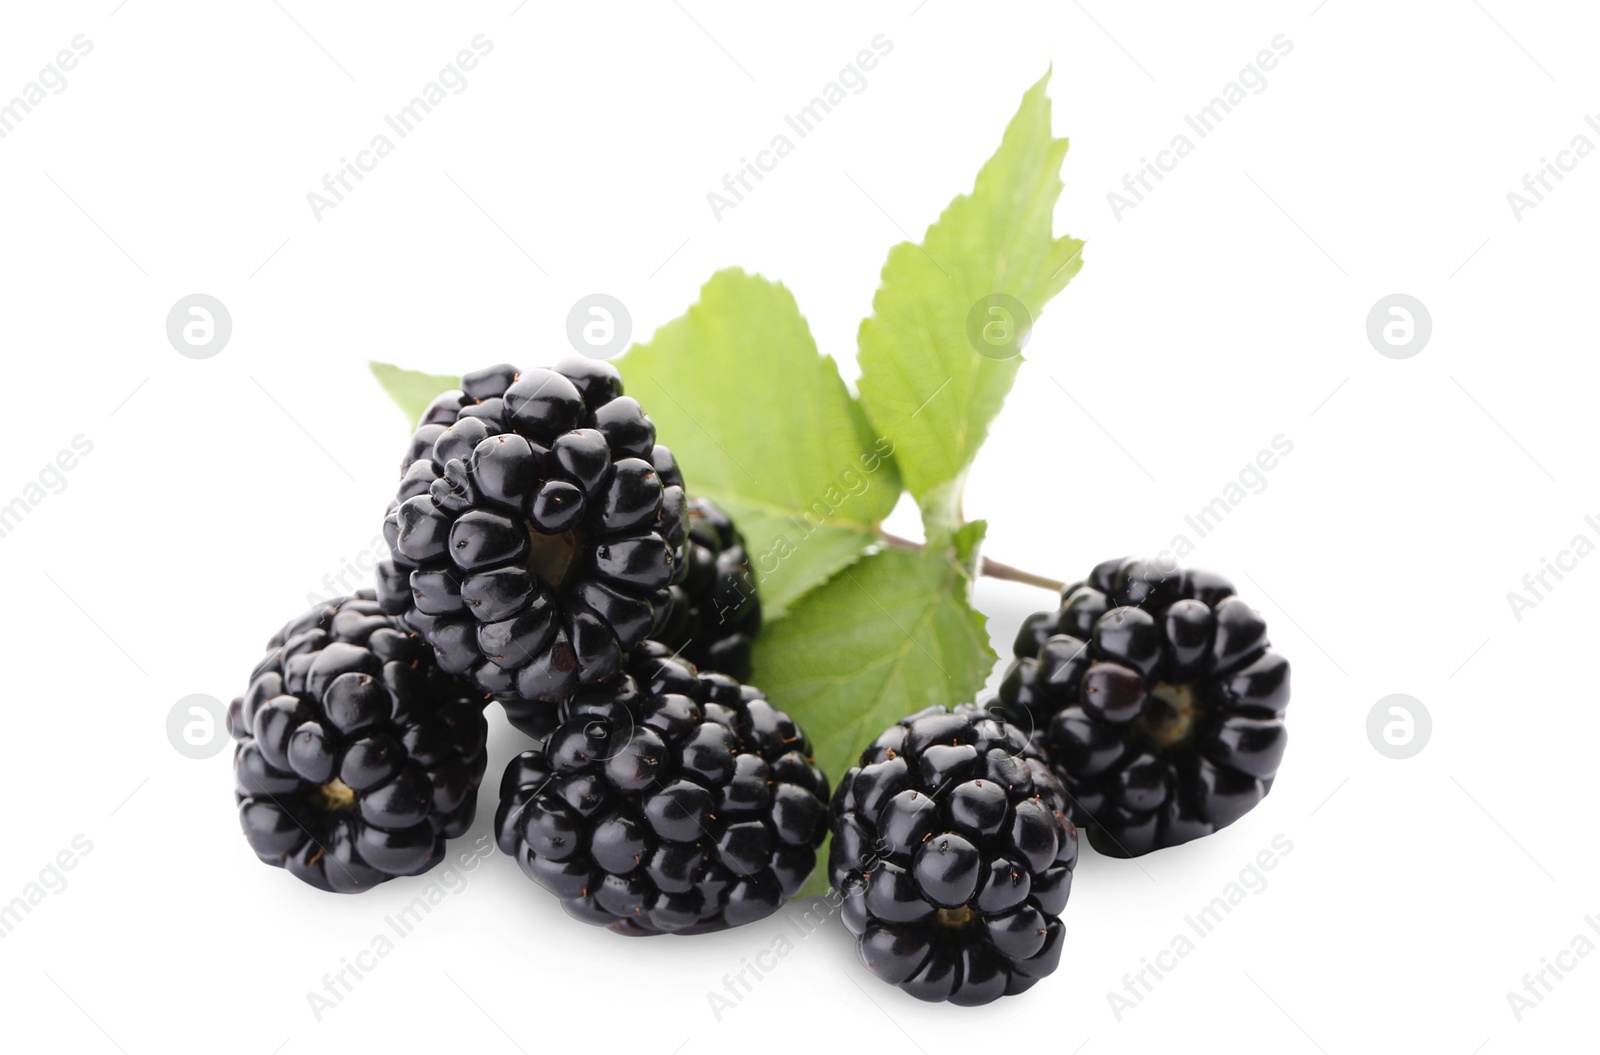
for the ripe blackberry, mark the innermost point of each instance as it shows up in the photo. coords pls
(1157, 700)
(715, 612)
(357, 756)
(712, 616)
(954, 857)
(536, 718)
(537, 529)
(667, 801)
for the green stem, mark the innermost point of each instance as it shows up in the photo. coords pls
(991, 568)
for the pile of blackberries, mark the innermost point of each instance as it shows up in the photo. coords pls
(544, 555)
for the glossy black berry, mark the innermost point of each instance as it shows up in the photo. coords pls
(357, 756)
(666, 801)
(953, 854)
(1157, 699)
(714, 613)
(537, 531)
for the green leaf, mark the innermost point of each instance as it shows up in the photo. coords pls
(412, 389)
(968, 544)
(763, 425)
(924, 384)
(884, 638)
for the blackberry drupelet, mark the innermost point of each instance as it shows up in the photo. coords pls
(537, 529)
(954, 857)
(357, 756)
(1158, 701)
(715, 612)
(667, 801)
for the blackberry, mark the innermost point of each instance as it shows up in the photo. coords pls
(667, 801)
(536, 531)
(1158, 701)
(715, 612)
(357, 756)
(712, 616)
(953, 855)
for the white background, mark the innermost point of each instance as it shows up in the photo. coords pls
(1227, 308)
